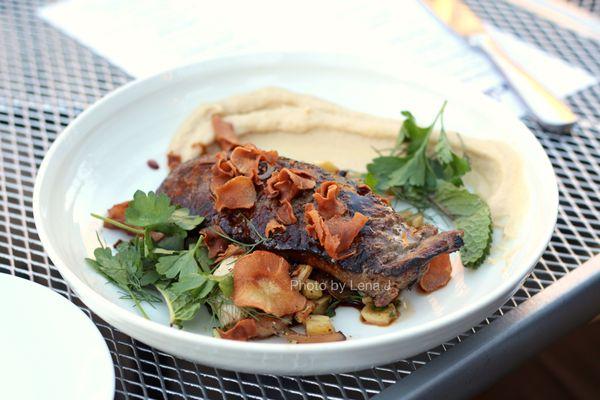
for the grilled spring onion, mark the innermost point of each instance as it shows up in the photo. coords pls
(380, 316)
(318, 325)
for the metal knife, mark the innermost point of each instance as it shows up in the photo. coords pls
(551, 112)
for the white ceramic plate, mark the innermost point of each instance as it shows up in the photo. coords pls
(100, 159)
(50, 349)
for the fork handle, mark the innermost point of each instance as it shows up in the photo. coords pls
(551, 112)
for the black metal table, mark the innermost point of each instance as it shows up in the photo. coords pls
(47, 79)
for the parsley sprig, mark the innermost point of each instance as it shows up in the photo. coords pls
(173, 266)
(428, 174)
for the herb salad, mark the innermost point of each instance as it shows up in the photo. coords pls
(176, 266)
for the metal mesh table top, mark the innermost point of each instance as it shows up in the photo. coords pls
(47, 79)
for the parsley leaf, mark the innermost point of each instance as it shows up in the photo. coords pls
(412, 133)
(415, 171)
(385, 165)
(181, 264)
(149, 209)
(189, 282)
(182, 218)
(152, 210)
(443, 151)
(470, 214)
(448, 165)
(185, 297)
(149, 277)
(410, 166)
(203, 259)
(181, 306)
(225, 283)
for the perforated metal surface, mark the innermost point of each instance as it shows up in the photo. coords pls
(46, 79)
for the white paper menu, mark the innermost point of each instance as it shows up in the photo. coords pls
(144, 37)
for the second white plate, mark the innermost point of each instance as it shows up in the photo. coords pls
(50, 349)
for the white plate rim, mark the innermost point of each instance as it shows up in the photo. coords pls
(139, 87)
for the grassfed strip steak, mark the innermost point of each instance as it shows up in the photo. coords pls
(385, 257)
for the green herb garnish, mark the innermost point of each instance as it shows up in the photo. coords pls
(152, 211)
(145, 268)
(125, 269)
(180, 263)
(470, 214)
(430, 175)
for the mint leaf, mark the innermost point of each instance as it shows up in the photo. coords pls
(470, 214)
(421, 176)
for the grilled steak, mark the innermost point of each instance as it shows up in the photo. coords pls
(385, 257)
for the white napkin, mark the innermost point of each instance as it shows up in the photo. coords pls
(144, 37)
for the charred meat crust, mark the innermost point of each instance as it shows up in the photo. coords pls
(387, 251)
